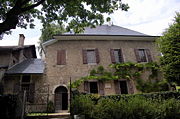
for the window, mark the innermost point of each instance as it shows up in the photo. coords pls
(90, 56)
(61, 57)
(116, 55)
(143, 55)
(27, 86)
(123, 87)
(93, 87)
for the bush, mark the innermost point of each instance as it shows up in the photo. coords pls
(82, 105)
(170, 109)
(139, 106)
(50, 107)
(134, 108)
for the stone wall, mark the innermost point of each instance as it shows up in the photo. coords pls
(57, 75)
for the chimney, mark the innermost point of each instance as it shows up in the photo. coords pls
(21, 40)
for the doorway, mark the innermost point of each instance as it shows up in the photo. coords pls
(123, 87)
(61, 98)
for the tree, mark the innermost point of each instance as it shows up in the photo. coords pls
(169, 45)
(49, 30)
(77, 13)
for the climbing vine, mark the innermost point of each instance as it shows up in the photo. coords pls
(129, 71)
(96, 74)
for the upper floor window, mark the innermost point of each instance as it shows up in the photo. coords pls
(143, 55)
(116, 55)
(61, 57)
(90, 56)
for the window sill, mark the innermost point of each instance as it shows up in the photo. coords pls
(62, 65)
(92, 63)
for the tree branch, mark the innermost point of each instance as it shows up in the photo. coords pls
(32, 6)
(12, 18)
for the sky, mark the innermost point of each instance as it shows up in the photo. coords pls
(150, 17)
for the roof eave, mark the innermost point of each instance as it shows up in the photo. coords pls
(69, 37)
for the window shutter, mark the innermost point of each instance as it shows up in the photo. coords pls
(101, 87)
(112, 56)
(121, 56)
(84, 54)
(58, 57)
(130, 87)
(137, 55)
(61, 57)
(117, 86)
(86, 87)
(148, 53)
(31, 92)
(97, 55)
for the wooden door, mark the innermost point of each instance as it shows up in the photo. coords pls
(61, 98)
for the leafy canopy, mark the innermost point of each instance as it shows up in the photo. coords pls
(169, 45)
(76, 13)
(49, 30)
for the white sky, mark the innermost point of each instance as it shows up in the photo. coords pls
(151, 17)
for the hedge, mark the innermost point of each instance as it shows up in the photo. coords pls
(163, 105)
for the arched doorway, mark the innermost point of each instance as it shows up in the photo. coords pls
(61, 98)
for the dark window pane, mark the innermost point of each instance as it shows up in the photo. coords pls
(93, 87)
(117, 55)
(91, 56)
(142, 55)
(26, 79)
(123, 87)
(25, 87)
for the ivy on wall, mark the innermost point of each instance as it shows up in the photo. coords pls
(129, 71)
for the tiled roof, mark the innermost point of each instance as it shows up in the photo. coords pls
(3, 48)
(109, 30)
(28, 66)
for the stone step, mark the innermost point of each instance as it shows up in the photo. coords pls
(50, 116)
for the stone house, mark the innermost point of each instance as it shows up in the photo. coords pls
(20, 69)
(73, 56)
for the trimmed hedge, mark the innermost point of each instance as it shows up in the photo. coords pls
(163, 105)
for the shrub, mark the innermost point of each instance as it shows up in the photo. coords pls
(170, 109)
(82, 105)
(134, 108)
(50, 107)
(164, 105)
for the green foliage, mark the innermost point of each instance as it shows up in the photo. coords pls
(82, 105)
(129, 71)
(50, 107)
(99, 74)
(163, 105)
(49, 30)
(76, 13)
(151, 86)
(169, 45)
